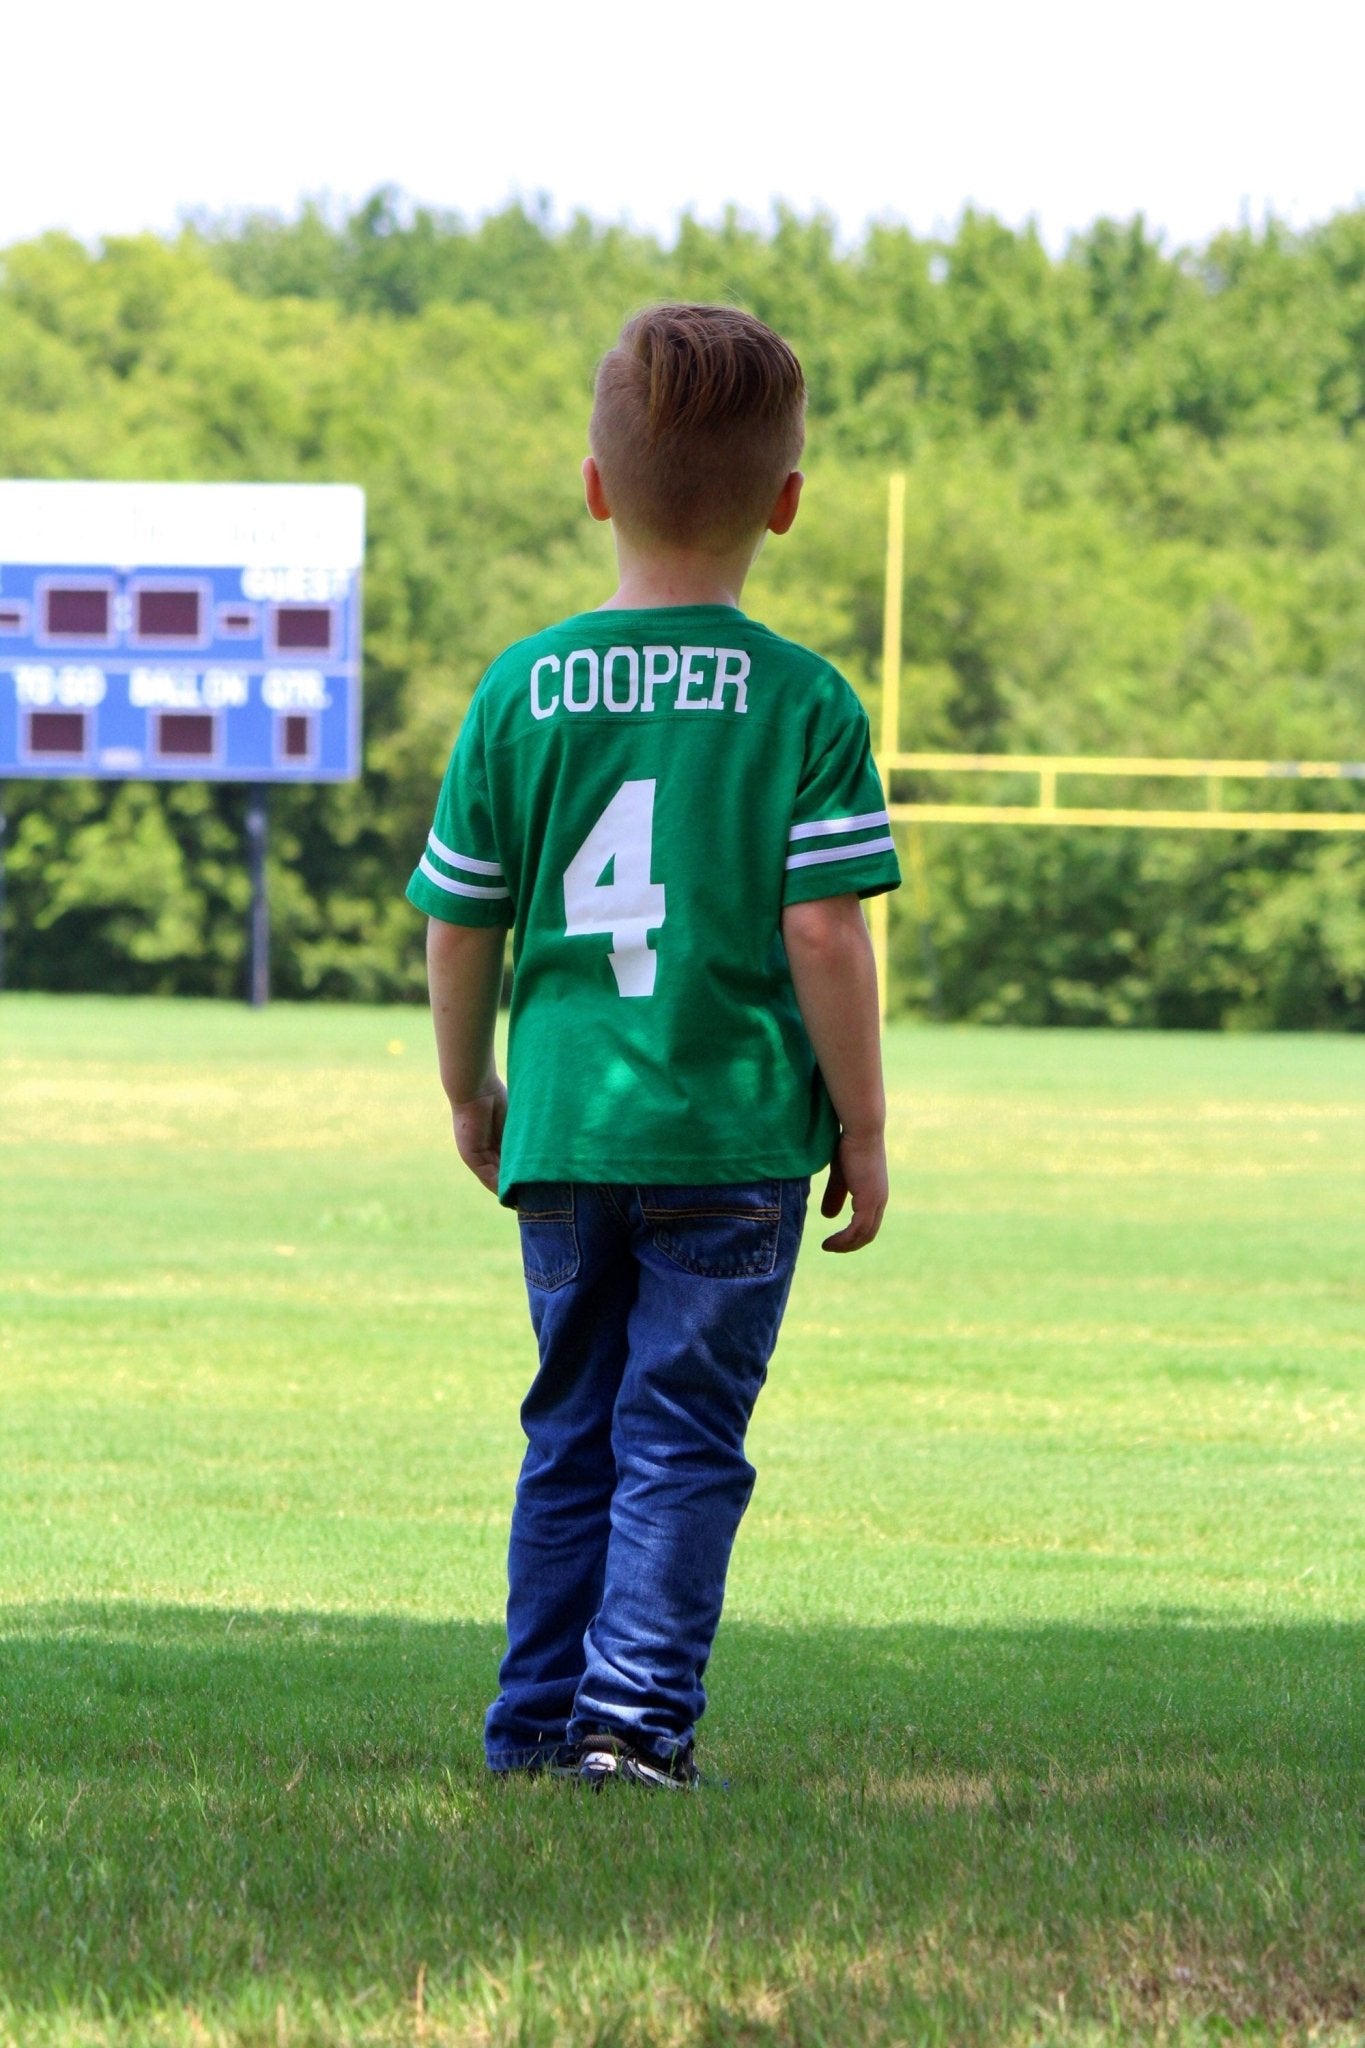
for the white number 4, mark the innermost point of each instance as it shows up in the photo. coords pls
(607, 887)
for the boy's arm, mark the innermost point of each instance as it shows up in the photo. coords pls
(464, 977)
(835, 976)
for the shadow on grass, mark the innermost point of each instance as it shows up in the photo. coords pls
(193, 1803)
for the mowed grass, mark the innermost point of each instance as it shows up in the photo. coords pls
(1041, 1690)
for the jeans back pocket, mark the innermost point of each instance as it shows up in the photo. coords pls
(719, 1233)
(549, 1233)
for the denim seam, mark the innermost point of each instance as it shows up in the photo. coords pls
(555, 1277)
(720, 1215)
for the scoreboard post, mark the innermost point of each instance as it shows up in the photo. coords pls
(182, 632)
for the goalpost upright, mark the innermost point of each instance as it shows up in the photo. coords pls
(892, 638)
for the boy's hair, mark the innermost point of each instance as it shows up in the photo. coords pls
(698, 419)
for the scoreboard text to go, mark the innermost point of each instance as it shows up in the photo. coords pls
(230, 649)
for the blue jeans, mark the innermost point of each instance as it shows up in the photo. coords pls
(656, 1310)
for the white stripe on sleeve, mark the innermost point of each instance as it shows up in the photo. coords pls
(461, 860)
(859, 852)
(827, 825)
(461, 888)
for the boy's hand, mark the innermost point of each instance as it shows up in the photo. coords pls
(478, 1133)
(858, 1168)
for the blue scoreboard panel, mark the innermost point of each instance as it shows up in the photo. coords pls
(205, 632)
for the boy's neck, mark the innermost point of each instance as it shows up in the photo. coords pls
(653, 577)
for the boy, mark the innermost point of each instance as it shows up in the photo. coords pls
(677, 813)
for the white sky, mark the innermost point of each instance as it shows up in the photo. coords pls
(117, 115)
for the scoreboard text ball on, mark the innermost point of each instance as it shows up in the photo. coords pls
(177, 632)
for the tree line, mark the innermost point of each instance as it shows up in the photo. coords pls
(1135, 496)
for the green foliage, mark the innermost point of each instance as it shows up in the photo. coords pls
(1136, 489)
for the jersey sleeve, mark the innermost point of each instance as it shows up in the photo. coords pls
(459, 877)
(840, 840)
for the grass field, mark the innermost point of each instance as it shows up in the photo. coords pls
(1041, 1690)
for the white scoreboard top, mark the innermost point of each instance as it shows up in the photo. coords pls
(182, 526)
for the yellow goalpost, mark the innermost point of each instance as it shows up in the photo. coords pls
(1051, 769)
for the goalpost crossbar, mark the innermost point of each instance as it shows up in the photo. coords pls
(1050, 809)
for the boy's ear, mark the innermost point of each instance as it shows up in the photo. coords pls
(788, 499)
(593, 491)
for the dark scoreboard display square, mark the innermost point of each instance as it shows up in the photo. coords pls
(186, 736)
(73, 613)
(298, 737)
(57, 733)
(167, 614)
(303, 628)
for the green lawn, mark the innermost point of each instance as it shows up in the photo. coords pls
(1041, 1690)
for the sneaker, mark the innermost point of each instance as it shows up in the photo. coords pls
(603, 1757)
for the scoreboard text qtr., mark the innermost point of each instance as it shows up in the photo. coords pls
(206, 632)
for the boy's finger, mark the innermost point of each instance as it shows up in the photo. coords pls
(859, 1231)
(484, 1165)
(836, 1191)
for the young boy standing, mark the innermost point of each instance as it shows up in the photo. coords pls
(677, 813)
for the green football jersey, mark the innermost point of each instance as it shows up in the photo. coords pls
(638, 794)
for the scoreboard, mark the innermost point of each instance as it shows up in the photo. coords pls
(175, 632)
